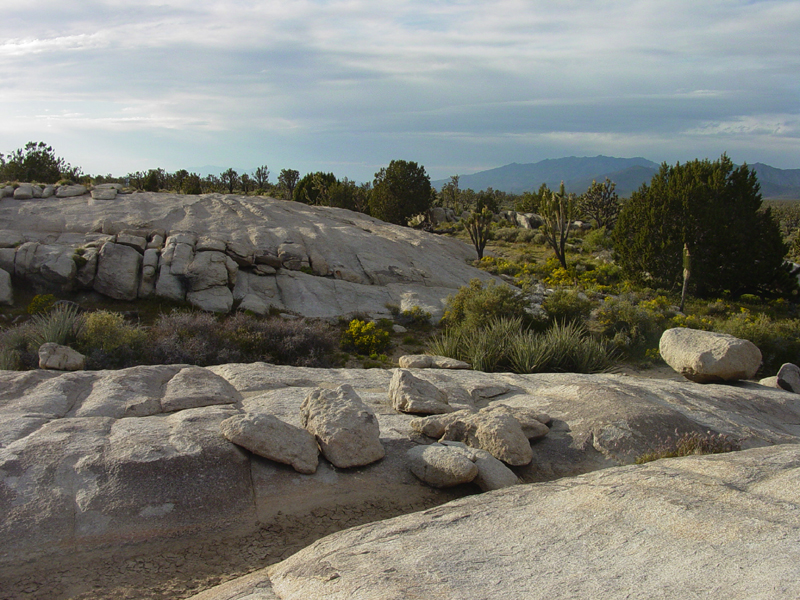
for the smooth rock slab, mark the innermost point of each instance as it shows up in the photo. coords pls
(705, 356)
(722, 526)
(347, 429)
(118, 271)
(268, 436)
(410, 394)
(440, 466)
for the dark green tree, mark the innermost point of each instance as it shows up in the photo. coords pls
(36, 162)
(309, 187)
(531, 202)
(261, 177)
(179, 178)
(151, 181)
(600, 203)
(400, 191)
(287, 181)
(715, 210)
(193, 184)
(230, 179)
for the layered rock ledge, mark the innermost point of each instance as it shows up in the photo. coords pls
(220, 252)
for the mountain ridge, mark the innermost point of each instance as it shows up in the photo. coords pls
(629, 174)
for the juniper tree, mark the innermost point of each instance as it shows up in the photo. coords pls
(715, 210)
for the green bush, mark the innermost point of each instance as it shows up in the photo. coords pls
(597, 239)
(365, 338)
(633, 325)
(109, 342)
(414, 317)
(779, 341)
(567, 305)
(476, 304)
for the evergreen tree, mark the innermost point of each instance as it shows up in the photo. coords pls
(714, 209)
(400, 191)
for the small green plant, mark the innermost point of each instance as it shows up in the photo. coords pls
(415, 317)
(41, 303)
(688, 444)
(307, 270)
(365, 338)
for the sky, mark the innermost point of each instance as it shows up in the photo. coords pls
(346, 86)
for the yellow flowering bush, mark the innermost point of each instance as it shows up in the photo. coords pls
(365, 338)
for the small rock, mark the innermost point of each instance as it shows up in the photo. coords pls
(345, 428)
(533, 423)
(440, 466)
(60, 358)
(415, 361)
(444, 362)
(268, 436)
(399, 328)
(69, 191)
(492, 473)
(494, 431)
(410, 394)
(789, 378)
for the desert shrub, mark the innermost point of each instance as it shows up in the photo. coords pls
(567, 305)
(414, 317)
(476, 304)
(41, 303)
(203, 339)
(778, 340)
(688, 444)
(365, 338)
(108, 342)
(573, 350)
(16, 349)
(633, 325)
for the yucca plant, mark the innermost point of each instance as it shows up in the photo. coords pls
(60, 325)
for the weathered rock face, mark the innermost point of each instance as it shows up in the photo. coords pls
(216, 251)
(6, 290)
(125, 459)
(705, 356)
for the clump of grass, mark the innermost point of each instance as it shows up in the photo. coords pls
(693, 443)
(505, 344)
(60, 325)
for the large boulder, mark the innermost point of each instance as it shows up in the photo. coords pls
(268, 436)
(118, 270)
(497, 432)
(705, 356)
(70, 191)
(346, 428)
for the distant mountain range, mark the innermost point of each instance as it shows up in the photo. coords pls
(629, 174)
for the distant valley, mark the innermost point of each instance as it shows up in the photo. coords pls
(629, 174)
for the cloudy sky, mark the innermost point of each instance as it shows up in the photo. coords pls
(348, 85)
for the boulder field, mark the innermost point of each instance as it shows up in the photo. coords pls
(220, 252)
(121, 484)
